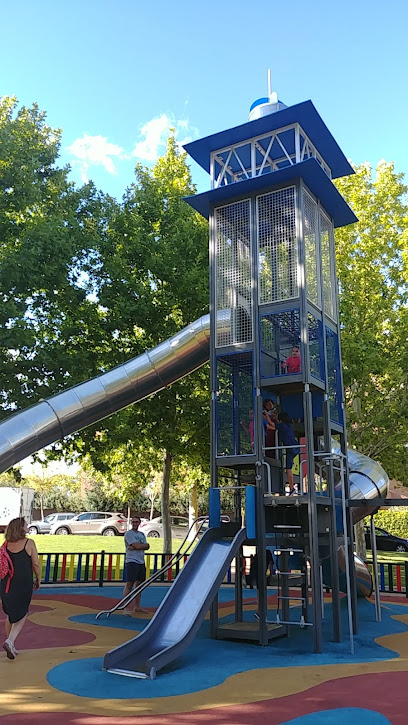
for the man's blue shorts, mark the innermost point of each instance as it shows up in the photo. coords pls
(135, 572)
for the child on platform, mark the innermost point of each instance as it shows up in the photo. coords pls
(269, 418)
(293, 363)
(287, 438)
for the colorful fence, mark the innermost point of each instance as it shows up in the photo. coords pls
(392, 577)
(102, 568)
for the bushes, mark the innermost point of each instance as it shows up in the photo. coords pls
(394, 520)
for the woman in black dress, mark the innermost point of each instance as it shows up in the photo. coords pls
(16, 601)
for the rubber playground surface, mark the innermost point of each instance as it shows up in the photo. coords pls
(57, 676)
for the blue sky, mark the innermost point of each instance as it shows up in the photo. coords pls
(114, 74)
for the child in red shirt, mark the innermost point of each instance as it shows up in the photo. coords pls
(293, 364)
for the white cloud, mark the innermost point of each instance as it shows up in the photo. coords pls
(94, 151)
(154, 135)
(88, 151)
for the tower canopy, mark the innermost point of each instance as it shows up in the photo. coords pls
(304, 114)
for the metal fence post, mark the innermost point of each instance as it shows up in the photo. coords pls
(102, 569)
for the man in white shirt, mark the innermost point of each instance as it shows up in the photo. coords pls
(136, 545)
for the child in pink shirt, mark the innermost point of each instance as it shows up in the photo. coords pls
(293, 364)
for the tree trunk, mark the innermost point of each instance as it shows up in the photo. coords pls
(41, 507)
(152, 500)
(165, 502)
(360, 540)
(193, 510)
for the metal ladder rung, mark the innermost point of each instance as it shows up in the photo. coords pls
(293, 624)
(294, 551)
(290, 573)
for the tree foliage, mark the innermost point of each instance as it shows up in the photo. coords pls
(372, 263)
(152, 280)
(48, 234)
(394, 520)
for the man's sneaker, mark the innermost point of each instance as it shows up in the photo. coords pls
(9, 649)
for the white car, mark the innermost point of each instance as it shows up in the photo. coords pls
(179, 526)
(154, 528)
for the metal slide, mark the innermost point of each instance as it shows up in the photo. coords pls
(32, 429)
(181, 612)
(50, 420)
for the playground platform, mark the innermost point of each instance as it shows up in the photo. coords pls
(57, 677)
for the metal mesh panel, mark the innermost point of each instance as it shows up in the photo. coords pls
(309, 236)
(233, 274)
(333, 376)
(316, 352)
(234, 405)
(327, 266)
(277, 246)
(279, 333)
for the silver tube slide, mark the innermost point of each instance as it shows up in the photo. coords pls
(50, 420)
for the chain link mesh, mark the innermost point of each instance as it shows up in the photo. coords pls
(233, 273)
(327, 265)
(310, 238)
(277, 246)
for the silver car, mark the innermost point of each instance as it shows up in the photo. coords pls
(154, 528)
(92, 522)
(44, 526)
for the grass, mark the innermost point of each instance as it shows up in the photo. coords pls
(389, 557)
(51, 544)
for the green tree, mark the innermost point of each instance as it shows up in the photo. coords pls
(43, 485)
(152, 280)
(49, 231)
(372, 263)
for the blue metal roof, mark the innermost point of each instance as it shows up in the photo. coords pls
(310, 171)
(303, 113)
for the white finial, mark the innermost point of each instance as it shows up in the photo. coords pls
(272, 95)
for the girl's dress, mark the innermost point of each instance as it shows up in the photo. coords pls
(17, 600)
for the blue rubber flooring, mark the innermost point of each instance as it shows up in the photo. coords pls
(341, 716)
(209, 662)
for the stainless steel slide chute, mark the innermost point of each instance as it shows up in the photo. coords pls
(50, 420)
(182, 611)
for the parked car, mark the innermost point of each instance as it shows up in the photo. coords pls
(154, 528)
(204, 521)
(386, 541)
(179, 526)
(92, 522)
(44, 526)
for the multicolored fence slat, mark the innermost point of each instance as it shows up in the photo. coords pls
(101, 568)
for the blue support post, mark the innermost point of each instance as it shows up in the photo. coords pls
(215, 507)
(250, 511)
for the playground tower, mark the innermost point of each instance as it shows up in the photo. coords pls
(272, 209)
